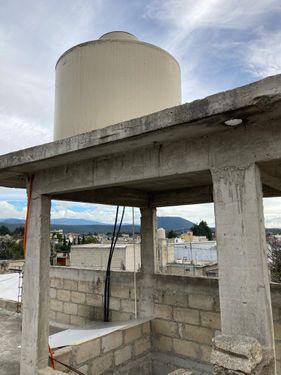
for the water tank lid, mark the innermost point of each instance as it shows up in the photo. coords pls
(119, 35)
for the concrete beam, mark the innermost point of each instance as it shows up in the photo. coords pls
(244, 287)
(115, 196)
(194, 195)
(35, 323)
(170, 161)
(204, 118)
(272, 181)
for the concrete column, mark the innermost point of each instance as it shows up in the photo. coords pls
(35, 324)
(148, 261)
(244, 283)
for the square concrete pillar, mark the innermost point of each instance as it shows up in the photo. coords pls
(35, 324)
(148, 260)
(244, 283)
(148, 240)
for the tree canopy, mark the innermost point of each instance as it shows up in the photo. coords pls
(202, 229)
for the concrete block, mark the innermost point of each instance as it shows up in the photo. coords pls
(70, 284)
(122, 355)
(63, 318)
(56, 283)
(165, 327)
(53, 293)
(201, 335)
(102, 364)
(163, 311)
(84, 369)
(85, 311)
(78, 297)
(85, 286)
(120, 291)
(163, 343)
(52, 315)
(238, 353)
(142, 345)
(94, 300)
(63, 355)
(112, 341)
(186, 348)
(70, 308)
(186, 315)
(63, 295)
(86, 351)
(277, 331)
(127, 305)
(278, 350)
(118, 316)
(115, 303)
(201, 302)
(175, 299)
(56, 305)
(210, 319)
(132, 334)
(146, 328)
(78, 321)
(206, 353)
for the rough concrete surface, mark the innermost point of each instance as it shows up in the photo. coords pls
(10, 340)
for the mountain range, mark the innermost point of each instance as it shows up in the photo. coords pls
(92, 226)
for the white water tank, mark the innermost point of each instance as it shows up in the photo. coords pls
(113, 79)
(161, 234)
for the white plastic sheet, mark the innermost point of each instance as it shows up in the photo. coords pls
(76, 336)
(9, 283)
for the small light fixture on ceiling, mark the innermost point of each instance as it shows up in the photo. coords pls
(233, 122)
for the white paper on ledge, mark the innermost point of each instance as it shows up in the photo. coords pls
(9, 283)
(76, 336)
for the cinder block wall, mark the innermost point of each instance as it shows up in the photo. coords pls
(77, 295)
(125, 351)
(186, 309)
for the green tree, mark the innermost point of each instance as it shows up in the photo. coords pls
(171, 234)
(4, 230)
(275, 262)
(202, 229)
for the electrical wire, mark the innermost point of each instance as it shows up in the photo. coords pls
(134, 249)
(108, 270)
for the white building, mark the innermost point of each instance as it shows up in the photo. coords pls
(96, 256)
(197, 252)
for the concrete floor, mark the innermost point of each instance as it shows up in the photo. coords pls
(10, 340)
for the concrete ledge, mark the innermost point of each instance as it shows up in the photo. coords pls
(8, 305)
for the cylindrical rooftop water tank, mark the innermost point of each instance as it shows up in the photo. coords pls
(113, 79)
(161, 234)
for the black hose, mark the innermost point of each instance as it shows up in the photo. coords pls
(108, 270)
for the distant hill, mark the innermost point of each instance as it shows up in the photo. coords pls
(173, 223)
(12, 221)
(88, 226)
(74, 222)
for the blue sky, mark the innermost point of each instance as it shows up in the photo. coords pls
(220, 44)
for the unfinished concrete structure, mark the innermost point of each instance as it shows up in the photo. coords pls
(182, 155)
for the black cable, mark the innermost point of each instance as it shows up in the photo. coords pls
(68, 366)
(107, 278)
(108, 270)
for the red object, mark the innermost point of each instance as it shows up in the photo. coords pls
(51, 357)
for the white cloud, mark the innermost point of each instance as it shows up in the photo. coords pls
(193, 212)
(8, 210)
(17, 133)
(263, 55)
